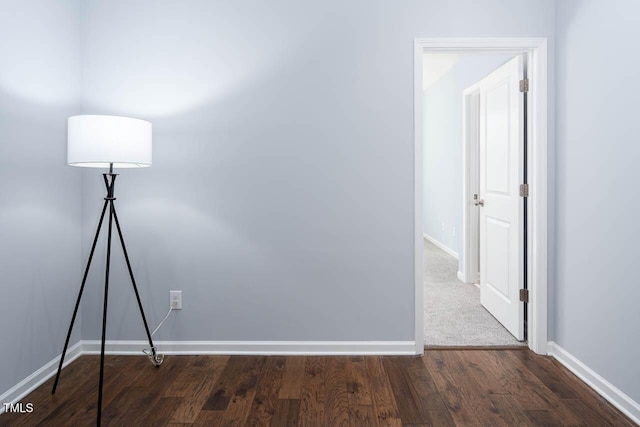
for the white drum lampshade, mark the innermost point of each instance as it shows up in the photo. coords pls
(98, 141)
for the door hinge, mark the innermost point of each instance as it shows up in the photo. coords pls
(524, 190)
(524, 295)
(524, 85)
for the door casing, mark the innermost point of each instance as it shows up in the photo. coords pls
(536, 51)
(470, 266)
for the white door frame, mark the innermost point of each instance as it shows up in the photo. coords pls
(468, 272)
(536, 48)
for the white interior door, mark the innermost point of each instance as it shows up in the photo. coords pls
(501, 214)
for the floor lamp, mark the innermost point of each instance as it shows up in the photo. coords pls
(107, 141)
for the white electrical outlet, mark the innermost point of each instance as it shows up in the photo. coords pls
(175, 299)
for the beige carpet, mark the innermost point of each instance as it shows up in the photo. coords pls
(453, 315)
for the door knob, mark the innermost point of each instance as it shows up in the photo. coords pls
(477, 202)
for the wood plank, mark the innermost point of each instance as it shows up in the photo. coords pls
(265, 402)
(293, 377)
(221, 393)
(475, 395)
(552, 380)
(514, 380)
(530, 393)
(182, 386)
(459, 408)
(482, 373)
(207, 419)
(542, 418)
(199, 391)
(508, 409)
(287, 413)
(160, 414)
(337, 398)
(384, 404)
(362, 415)
(312, 412)
(592, 416)
(358, 384)
(145, 397)
(242, 394)
(423, 387)
(427, 405)
(408, 409)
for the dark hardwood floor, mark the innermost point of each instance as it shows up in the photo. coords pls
(442, 388)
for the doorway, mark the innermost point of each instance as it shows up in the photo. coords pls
(477, 91)
(535, 53)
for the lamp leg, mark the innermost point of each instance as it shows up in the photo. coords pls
(75, 310)
(135, 288)
(112, 215)
(104, 311)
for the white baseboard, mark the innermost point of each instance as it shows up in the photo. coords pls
(603, 387)
(256, 347)
(35, 380)
(441, 246)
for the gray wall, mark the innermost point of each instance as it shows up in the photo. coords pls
(442, 148)
(596, 312)
(281, 196)
(39, 194)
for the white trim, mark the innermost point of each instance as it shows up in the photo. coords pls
(603, 387)
(255, 347)
(461, 277)
(539, 139)
(480, 45)
(36, 379)
(441, 245)
(418, 242)
(470, 183)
